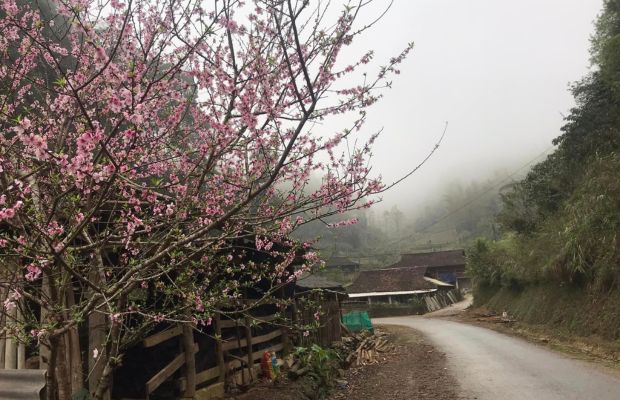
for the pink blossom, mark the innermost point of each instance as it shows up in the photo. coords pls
(115, 318)
(11, 300)
(199, 306)
(37, 333)
(34, 272)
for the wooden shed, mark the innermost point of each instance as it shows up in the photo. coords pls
(327, 296)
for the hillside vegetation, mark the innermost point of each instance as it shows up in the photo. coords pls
(560, 224)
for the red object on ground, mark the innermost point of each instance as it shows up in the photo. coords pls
(266, 367)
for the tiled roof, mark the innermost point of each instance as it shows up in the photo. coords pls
(313, 281)
(391, 280)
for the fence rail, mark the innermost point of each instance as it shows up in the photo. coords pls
(238, 368)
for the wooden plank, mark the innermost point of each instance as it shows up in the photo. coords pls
(201, 377)
(264, 319)
(267, 337)
(257, 355)
(233, 344)
(228, 323)
(207, 375)
(167, 372)
(231, 323)
(162, 336)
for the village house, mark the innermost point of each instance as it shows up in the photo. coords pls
(342, 264)
(314, 293)
(394, 285)
(446, 266)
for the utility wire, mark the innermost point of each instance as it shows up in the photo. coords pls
(463, 206)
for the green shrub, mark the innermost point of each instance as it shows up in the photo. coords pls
(322, 368)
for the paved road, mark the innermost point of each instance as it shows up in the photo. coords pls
(493, 366)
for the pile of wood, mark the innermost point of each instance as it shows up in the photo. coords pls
(365, 348)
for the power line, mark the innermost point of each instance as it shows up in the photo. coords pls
(465, 205)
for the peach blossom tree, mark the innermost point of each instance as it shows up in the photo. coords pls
(140, 140)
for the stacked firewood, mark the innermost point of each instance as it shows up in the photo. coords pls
(365, 348)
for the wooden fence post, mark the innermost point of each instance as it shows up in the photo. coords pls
(190, 361)
(295, 323)
(219, 351)
(248, 337)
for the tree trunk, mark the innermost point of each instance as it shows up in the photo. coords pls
(74, 352)
(62, 369)
(96, 342)
(3, 337)
(44, 349)
(112, 351)
(50, 378)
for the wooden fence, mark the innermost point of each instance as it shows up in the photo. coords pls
(237, 354)
(329, 329)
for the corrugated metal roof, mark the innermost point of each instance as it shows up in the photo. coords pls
(21, 384)
(374, 294)
(437, 282)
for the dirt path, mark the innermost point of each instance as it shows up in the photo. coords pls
(415, 370)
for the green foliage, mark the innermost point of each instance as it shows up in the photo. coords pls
(577, 245)
(322, 368)
(494, 263)
(561, 222)
(591, 222)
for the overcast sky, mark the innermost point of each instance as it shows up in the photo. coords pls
(498, 71)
